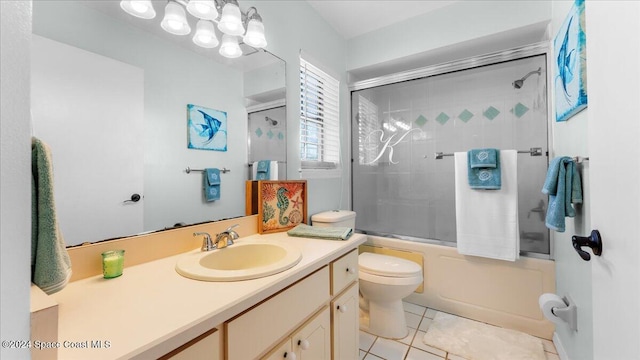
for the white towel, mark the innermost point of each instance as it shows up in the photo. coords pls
(487, 220)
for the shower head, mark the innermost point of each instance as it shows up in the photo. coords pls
(518, 83)
(271, 121)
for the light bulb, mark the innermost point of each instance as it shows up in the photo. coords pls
(138, 8)
(231, 20)
(255, 34)
(230, 47)
(205, 35)
(203, 9)
(175, 21)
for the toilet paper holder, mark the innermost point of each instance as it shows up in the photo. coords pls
(559, 310)
(569, 314)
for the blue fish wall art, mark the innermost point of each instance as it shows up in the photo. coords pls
(207, 128)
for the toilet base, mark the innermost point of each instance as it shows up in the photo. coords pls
(388, 320)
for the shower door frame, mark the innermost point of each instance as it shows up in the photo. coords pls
(541, 48)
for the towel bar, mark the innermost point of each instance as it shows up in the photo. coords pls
(188, 170)
(535, 151)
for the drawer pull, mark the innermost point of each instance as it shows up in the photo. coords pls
(304, 344)
(291, 356)
(350, 270)
(342, 308)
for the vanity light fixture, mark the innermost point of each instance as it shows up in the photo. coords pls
(231, 19)
(203, 9)
(230, 47)
(139, 8)
(205, 35)
(175, 19)
(228, 16)
(255, 30)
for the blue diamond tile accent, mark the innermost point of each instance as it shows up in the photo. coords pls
(270, 134)
(491, 113)
(465, 115)
(442, 118)
(259, 132)
(421, 120)
(280, 136)
(519, 110)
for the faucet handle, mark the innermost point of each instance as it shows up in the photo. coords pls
(207, 244)
(230, 228)
(232, 234)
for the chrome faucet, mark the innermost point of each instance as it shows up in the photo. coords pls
(226, 237)
(207, 244)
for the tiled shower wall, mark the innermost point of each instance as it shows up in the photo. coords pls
(398, 185)
(268, 138)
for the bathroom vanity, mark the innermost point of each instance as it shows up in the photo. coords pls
(151, 311)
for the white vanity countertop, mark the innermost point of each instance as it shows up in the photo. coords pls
(151, 309)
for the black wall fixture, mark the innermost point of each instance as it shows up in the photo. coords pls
(594, 241)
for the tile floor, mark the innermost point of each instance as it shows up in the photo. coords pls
(412, 347)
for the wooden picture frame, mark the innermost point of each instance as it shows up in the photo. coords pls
(282, 204)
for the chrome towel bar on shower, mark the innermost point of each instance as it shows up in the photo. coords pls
(535, 151)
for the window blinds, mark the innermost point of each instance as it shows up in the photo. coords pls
(319, 118)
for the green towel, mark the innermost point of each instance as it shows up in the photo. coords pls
(329, 233)
(50, 263)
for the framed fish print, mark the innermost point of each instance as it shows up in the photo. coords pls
(207, 128)
(281, 205)
(570, 81)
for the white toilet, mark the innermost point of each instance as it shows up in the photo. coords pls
(384, 282)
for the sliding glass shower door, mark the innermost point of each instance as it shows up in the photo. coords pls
(400, 187)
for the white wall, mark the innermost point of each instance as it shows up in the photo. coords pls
(15, 174)
(462, 29)
(292, 26)
(573, 275)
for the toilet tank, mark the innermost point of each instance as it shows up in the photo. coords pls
(335, 218)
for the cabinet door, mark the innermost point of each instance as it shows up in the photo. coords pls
(204, 347)
(313, 340)
(345, 317)
(282, 352)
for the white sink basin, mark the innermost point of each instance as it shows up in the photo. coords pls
(241, 261)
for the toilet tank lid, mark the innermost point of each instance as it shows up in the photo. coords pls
(386, 265)
(333, 216)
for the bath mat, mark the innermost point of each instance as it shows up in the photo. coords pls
(478, 341)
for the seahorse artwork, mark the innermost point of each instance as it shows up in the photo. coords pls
(283, 204)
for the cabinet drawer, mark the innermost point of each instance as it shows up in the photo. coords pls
(253, 332)
(344, 271)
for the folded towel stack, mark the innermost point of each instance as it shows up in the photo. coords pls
(564, 187)
(263, 170)
(487, 221)
(50, 263)
(211, 184)
(483, 169)
(316, 232)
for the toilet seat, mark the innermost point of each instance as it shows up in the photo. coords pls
(389, 280)
(387, 266)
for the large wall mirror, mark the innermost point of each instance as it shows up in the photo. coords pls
(110, 95)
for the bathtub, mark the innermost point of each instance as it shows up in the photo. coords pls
(496, 292)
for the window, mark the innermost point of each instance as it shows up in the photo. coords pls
(319, 120)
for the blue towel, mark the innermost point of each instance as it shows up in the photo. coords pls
(264, 170)
(211, 184)
(483, 158)
(50, 262)
(564, 187)
(487, 178)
